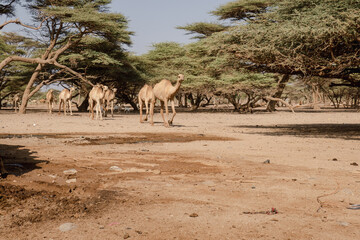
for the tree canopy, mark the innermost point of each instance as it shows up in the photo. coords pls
(306, 37)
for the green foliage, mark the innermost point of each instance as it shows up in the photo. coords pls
(240, 9)
(308, 37)
(203, 29)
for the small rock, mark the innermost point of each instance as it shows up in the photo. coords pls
(193, 215)
(267, 161)
(253, 187)
(101, 226)
(126, 236)
(145, 150)
(354, 164)
(157, 172)
(138, 232)
(345, 224)
(209, 183)
(52, 176)
(73, 180)
(115, 168)
(334, 159)
(70, 172)
(67, 227)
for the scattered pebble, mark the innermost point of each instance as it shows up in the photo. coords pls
(73, 180)
(126, 236)
(354, 164)
(67, 227)
(193, 215)
(157, 172)
(70, 172)
(267, 161)
(345, 224)
(115, 168)
(334, 159)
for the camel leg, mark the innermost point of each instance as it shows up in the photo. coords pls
(162, 113)
(141, 110)
(105, 107)
(59, 107)
(65, 107)
(91, 109)
(112, 109)
(70, 107)
(147, 109)
(174, 112)
(167, 113)
(152, 105)
(3, 171)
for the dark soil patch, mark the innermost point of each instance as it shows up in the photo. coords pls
(342, 131)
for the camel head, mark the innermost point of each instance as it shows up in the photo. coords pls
(72, 89)
(51, 90)
(114, 90)
(105, 88)
(180, 77)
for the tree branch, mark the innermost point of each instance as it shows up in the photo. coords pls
(17, 21)
(280, 100)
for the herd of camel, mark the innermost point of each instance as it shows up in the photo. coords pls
(102, 97)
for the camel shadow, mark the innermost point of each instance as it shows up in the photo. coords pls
(19, 160)
(341, 131)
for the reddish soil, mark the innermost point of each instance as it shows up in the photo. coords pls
(210, 176)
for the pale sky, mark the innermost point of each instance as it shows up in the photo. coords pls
(154, 21)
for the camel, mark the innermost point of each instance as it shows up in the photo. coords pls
(109, 99)
(65, 98)
(96, 95)
(146, 96)
(50, 100)
(16, 100)
(165, 91)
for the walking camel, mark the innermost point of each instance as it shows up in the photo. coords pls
(109, 99)
(65, 98)
(146, 96)
(96, 96)
(16, 100)
(50, 100)
(165, 91)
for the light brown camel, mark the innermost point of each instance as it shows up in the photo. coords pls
(65, 98)
(109, 99)
(96, 96)
(16, 100)
(165, 91)
(146, 96)
(50, 100)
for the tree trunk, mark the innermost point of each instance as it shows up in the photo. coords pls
(26, 95)
(280, 88)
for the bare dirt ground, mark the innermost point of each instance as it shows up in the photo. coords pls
(203, 178)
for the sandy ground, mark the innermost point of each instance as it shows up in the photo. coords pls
(203, 178)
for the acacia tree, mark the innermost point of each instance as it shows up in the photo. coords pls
(305, 37)
(65, 23)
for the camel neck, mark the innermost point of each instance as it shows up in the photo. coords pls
(176, 87)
